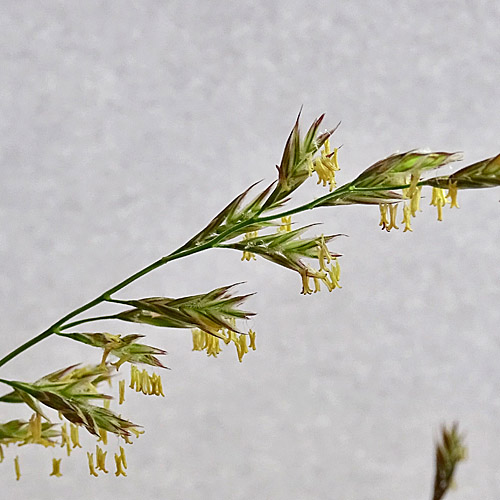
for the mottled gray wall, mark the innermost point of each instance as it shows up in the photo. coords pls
(125, 125)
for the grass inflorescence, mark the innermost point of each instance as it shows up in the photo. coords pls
(258, 226)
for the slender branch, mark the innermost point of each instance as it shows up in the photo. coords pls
(56, 327)
(6, 382)
(26, 345)
(86, 320)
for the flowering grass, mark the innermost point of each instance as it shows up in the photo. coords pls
(261, 226)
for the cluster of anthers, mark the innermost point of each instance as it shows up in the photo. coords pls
(325, 166)
(329, 267)
(140, 381)
(286, 224)
(439, 199)
(203, 341)
(143, 382)
(412, 195)
(249, 255)
(98, 463)
(37, 432)
(329, 276)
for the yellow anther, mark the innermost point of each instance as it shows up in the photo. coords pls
(127, 439)
(241, 347)
(415, 201)
(157, 386)
(213, 346)
(317, 284)
(136, 432)
(56, 467)
(329, 284)
(17, 468)
(251, 335)
(226, 335)
(412, 188)
(406, 218)
(133, 376)
(138, 381)
(306, 290)
(106, 404)
(439, 201)
(103, 436)
(321, 171)
(119, 466)
(199, 339)
(249, 255)
(332, 280)
(100, 455)
(35, 431)
(335, 159)
(393, 209)
(452, 194)
(123, 458)
(324, 256)
(121, 390)
(286, 225)
(2, 456)
(151, 387)
(90, 459)
(384, 221)
(326, 147)
(75, 439)
(232, 336)
(154, 383)
(35, 428)
(336, 270)
(65, 440)
(145, 382)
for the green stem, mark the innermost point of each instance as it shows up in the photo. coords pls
(346, 188)
(307, 206)
(26, 345)
(86, 320)
(118, 301)
(6, 382)
(98, 300)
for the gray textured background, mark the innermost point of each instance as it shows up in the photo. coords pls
(124, 126)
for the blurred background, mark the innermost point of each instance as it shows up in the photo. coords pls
(125, 126)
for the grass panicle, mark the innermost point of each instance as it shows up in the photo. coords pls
(254, 226)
